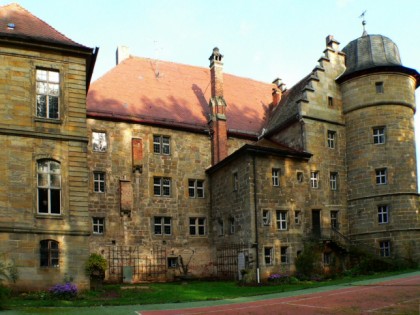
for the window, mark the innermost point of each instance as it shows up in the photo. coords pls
(380, 176)
(196, 188)
(297, 217)
(299, 177)
(172, 262)
(98, 225)
(162, 186)
(334, 219)
(161, 145)
(333, 181)
(49, 187)
(197, 226)
(49, 253)
(314, 179)
(162, 225)
(99, 182)
(47, 94)
(330, 101)
(231, 225)
(275, 175)
(99, 143)
(379, 135)
(235, 181)
(266, 217)
(221, 227)
(268, 255)
(379, 86)
(326, 258)
(383, 214)
(284, 259)
(331, 139)
(281, 220)
(385, 248)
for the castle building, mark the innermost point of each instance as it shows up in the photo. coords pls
(172, 170)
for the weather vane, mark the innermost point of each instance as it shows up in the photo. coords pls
(362, 16)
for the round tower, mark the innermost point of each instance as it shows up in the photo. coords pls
(379, 106)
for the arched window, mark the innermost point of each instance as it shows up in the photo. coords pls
(49, 253)
(49, 187)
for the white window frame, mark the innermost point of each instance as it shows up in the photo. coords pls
(98, 225)
(197, 226)
(266, 217)
(275, 176)
(196, 188)
(333, 181)
(268, 255)
(381, 176)
(99, 182)
(331, 139)
(385, 248)
(383, 214)
(48, 87)
(281, 220)
(162, 186)
(162, 144)
(49, 182)
(315, 179)
(378, 135)
(162, 225)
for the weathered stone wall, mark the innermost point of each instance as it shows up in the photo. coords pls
(190, 155)
(24, 139)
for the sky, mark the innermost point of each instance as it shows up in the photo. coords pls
(260, 39)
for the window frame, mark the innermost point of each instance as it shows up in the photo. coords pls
(266, 217)
(231, 225)
(99, 184)
(281, 220)
(298, 218)
(48, 84)
(98, 225)
(235, 180)
(163, 227)
(172, 262)
(334, 181)
(378, 134)
(196, 188)
(99, 141)
(197, 228)
(268, 255)
(275, 177)
(51, 191)
(331, 139)
(381, 176)
(385, 248)
(314, 179)
(379, 87)
(49, 253)
(162, 186)
(284, 255)
(162, 144)
(334, 219)
(383, 214)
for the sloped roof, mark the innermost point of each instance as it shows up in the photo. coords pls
(18, 23)
(177, 95)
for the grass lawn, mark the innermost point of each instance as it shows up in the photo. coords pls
(175, 292)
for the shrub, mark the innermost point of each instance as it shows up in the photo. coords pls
(279, 278)
(96, 266)
(66, 291)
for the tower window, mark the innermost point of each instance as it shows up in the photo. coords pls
(383, 214)
(385, 248)
(330, 101)
(379, 87)
(314, 179)
(331, 135)
(380, 175)
(333, 180)
(275, 175)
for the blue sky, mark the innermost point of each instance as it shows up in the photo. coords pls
(260, 39)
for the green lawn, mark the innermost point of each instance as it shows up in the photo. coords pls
(176, 292)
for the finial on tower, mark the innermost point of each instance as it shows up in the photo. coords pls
(362, 16)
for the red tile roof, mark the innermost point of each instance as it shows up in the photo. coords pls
(160, 92)
(18, 23)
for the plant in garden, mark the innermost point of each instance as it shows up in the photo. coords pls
(95, 266)
(279, 278)
(65, 291)
(9, 272)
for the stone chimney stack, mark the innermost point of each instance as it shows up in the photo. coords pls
(217, 104)
(278, 89)
(122, 53)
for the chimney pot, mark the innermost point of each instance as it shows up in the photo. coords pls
(123, 52)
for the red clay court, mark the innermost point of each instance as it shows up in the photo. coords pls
(400, 296)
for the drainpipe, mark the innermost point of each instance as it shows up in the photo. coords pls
(257, 261)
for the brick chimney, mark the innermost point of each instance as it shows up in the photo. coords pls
(217, 122)
(278, 89)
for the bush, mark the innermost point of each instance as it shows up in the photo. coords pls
(307, 263)
(4, 295)
(66, 291)
(279, 278)
(96, 266)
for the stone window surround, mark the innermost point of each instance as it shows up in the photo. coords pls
(98, 225)
(99, 141)
(197, 226)
(385, 248)
(281, 220)
(315, 179)
(381, 176)
(275, 177)
(161, 144)
(196, 188)
(162, 225)
(378, 135)
(331, 139)
(48, 82)
(268, 255)
(99, 182)
(383, 214)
